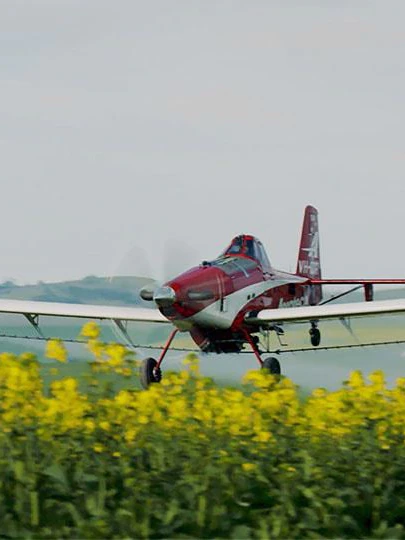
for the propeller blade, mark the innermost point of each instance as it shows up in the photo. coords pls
(135, 264)
(177, 258)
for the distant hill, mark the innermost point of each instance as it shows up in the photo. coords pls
(121, 290)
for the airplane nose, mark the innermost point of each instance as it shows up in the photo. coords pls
(164, 296)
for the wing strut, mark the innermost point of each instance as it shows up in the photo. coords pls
(346, 322)
(340, 295)
(124, 332)
(34, 322)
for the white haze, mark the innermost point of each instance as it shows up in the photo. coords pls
(139, 123)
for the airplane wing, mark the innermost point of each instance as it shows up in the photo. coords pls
(120, 315)
(336, 311)
(83, 311)
(395, 281)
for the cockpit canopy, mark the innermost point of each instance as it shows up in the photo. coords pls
(250, 247)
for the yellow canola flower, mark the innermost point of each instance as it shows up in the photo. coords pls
(263, 437)
(356, 380)
(116, 354)
(188, 405)
(89, 425)
(65, 410)
(248, 467)
(130, 435)
(90, 330)
(400, 382)
(96, 348)
(56, 350)
(109, 357)
(192, 363)
(105, 426)
(377, 379)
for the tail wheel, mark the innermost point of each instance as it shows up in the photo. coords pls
(272, 365)
(149, 372)
(315, 336)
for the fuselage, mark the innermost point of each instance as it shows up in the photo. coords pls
(213, 300)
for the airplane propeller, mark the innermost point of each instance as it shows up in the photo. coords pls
(177, 257)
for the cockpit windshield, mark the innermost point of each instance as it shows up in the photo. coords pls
(231, 265)
(250, 247)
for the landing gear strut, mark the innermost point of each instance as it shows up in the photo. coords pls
(271, 364)
(150, 371)
(315, 335)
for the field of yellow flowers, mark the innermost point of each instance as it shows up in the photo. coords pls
(188, 459)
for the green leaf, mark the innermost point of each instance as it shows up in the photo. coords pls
(57, 473)
(19, 471)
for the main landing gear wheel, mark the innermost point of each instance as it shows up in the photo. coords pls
(149, 373)
(315, 336)
(272, 365)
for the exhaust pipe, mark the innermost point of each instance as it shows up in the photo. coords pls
(200, 296)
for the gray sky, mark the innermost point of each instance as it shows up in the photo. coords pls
(134, 124)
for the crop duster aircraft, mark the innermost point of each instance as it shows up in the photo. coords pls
(227, 303)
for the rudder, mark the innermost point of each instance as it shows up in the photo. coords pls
(309, 261)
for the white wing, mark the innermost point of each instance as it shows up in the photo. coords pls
(335, 311)
(83, 311)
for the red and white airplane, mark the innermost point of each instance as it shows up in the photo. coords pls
(228, 302)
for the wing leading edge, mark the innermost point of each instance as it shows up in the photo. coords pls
(336, 311)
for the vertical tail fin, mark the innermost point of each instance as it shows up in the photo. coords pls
(309, 262)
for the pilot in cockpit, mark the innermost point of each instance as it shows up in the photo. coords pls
(249, 248)
(242, 245)
(237, 245)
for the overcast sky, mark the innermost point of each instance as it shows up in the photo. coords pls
(127, 126)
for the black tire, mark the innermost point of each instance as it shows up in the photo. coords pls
(148, 373)
(272, 365)
(315, 337)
